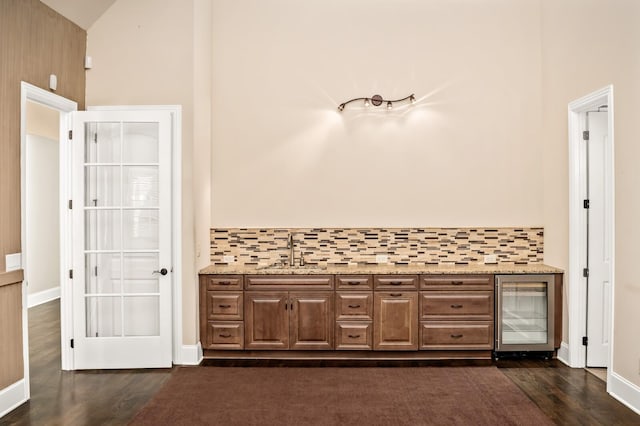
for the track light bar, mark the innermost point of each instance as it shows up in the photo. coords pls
(377, 100)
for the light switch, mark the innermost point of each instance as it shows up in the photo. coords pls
(13, 261)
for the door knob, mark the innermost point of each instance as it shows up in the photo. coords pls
(162, 271)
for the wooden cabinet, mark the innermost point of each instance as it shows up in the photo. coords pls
(221, 312)
(354, 312)
(298, 317)
(267, 323)
(428, 312)
(456, 312)
(395, 323)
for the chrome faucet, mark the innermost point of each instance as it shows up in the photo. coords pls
(292, 253)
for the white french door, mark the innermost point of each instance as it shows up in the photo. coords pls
(122, 273)
(599, 250)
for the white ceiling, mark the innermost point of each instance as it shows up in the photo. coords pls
(81, 12)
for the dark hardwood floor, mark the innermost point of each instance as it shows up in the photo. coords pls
(105, 397)
(112, 397)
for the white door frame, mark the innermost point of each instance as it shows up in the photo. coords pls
(29, 92)
(181, 354)
(577, 290)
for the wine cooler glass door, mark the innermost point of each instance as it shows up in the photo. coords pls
(525, 313)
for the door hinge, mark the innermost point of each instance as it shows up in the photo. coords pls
(71, 273)
(70, 134)
(585, 204)
(585, 341)
(70, 204)
(71, 343)
(585, 272)
(585, 135)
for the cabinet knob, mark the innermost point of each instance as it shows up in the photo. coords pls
(456, 306)
(225, 336)
(396, 294)
(456, 336)
(353, 282)
(395, 283)
(354, 306)
(354, 336)
(224, 306)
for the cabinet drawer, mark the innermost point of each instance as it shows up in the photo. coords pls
(354, 282)
(224, 306)
(223, 282)
(354, 306)
(225, 335)
(354, 336)
(445, 336)
(452, 305)
(456, 282)
(289, 282)
(395, 282)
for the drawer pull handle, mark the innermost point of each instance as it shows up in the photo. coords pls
(225, 336)
(224, 306)
(353, 282)
(224, 282)
(456, 306)
(396, 294)
(456, 336)
(457, 282)
(354, 306)
(395, 283)
(354, 336)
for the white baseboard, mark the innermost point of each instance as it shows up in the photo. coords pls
(563, 353)
(44, 296)
(12, 396)
(624, 391)
(191, 354)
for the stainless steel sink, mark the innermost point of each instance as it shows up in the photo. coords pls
(287, 269)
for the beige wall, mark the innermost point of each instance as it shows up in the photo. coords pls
(150, 52)
(586, 45)
(467, 154)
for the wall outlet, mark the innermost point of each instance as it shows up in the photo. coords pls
(13, 261)
(382, 258)
(490, 258)
(228, 259)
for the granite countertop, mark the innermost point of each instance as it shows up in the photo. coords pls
(480, 268)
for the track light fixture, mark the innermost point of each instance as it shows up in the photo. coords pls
(377, 100)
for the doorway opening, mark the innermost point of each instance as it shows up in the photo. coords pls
(591, 230)
(44, 221)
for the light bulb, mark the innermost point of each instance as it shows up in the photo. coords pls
(340, 107)
(412, 99)
(366, 102)
(389, 105)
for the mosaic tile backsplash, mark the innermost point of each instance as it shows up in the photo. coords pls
(343, 246)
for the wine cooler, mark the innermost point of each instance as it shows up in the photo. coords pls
(524, 313)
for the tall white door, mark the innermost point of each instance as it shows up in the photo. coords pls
(599, 252)
(122, 277)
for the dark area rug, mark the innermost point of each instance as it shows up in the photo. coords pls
(340, 396)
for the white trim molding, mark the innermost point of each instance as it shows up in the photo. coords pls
(191, 354)
(13, 396)
(624, 391)
(563, 353)
(43, 296)
(577, 292)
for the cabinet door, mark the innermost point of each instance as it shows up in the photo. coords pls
(395, 326)
(311, 320)
(266, 320)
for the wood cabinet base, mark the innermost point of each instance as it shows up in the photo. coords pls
(435, 355)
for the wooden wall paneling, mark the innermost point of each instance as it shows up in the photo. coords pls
(35, 42)
(11, 361)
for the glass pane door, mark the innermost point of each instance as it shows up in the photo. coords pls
(121, 229)
(524, 313)
(122, 239)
